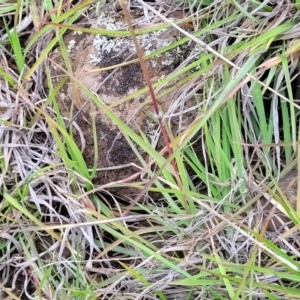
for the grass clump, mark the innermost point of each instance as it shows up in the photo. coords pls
(206, 235)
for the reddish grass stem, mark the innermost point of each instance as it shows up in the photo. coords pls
(124, 5)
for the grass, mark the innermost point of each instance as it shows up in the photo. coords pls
(64, 237)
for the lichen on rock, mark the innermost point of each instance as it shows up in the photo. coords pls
(88, 52)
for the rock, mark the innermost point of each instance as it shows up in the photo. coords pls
(88, 52)
(288, 185)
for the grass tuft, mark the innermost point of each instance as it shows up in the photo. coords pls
(230, 134)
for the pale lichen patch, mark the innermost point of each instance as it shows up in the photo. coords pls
(77, 32)
(71, 45)
(150, 42)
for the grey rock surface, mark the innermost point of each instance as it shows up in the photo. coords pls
(113, 87)
(288, 185)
